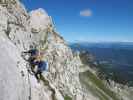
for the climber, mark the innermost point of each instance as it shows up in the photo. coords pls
(41, 64)
(36, 59)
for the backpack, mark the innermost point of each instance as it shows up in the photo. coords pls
(43, 66)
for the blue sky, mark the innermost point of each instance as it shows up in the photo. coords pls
(89, 20)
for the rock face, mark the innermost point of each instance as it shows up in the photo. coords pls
(40, 24)
(18, 32)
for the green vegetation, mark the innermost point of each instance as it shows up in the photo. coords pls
(93, 83)
(67, 97)
(108, 71)
(46, 82)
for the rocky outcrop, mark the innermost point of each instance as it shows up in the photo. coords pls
(18, 32)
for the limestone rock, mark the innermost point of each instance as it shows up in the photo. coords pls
(39, 20)
(18, 32)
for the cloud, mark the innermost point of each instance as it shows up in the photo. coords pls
(86, 13)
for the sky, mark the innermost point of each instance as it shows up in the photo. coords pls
(89, 20)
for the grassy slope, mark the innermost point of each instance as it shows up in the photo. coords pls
(96, 86)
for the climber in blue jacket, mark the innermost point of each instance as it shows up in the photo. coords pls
(41, 66)
(36, 59)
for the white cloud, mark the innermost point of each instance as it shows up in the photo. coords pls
(86, 13)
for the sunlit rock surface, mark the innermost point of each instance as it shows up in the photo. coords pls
(18, 32)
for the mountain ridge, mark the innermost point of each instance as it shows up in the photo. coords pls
(20, 30)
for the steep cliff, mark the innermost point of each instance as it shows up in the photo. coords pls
(19, 31)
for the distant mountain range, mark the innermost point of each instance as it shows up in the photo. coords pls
(113, 58)
(121, 52)
(127, 45)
